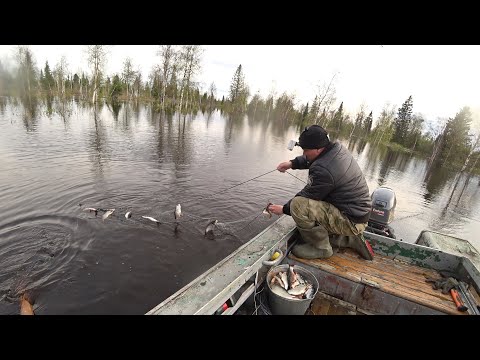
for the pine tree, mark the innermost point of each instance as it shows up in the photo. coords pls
(305, 113)
(402, 122)
(312, 116)
(368, 123)
(456, 139)
(238, 91)
(338, 118)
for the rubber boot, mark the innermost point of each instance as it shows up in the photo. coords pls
(317, 244)
(355, 242)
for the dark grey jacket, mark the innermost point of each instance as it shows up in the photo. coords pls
(336, 178)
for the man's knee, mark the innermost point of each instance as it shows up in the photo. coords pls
(299, 209)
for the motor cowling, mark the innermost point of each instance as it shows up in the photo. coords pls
(384, 202)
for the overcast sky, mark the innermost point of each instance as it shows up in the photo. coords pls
(441, 79)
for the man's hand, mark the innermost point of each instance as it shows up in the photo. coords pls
(275, 209)
(284, 166)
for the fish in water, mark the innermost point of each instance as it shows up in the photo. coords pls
(151, 219)
(209, 229)
(178, 211)
(26, 307)
(128, 215)
(107, 213)
(91, 209)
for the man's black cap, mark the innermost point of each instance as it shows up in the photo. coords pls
(313, 137)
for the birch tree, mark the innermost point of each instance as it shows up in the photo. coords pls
(190, 57)
(128, 74)
(97, 57)
(213, 93)
(270, 99)
(326, 97)
(60, 72)
(436, 132)
(383, 129)
(167, 54)
(27, 74)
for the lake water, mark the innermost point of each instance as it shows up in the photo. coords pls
(132, 159)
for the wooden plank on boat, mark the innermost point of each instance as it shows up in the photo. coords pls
(209, 291)
(397, 278)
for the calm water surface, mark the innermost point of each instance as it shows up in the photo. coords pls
(61, 159)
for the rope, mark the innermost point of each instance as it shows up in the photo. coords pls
(409, 216)
(251, 221)
(296, 177)
(222, 191)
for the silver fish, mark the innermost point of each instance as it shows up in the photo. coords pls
(209, 229)
(300, 279)
(298, 290)
(128, 215)
(178, 211)
(107, 213)
(295, 283)
(309, 293)
(276, 280)
(267, 212)
(91, 209)
(151, 218)
(283, 276)
(282, 292)
(292, 277)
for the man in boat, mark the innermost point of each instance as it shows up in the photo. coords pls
(334, 207)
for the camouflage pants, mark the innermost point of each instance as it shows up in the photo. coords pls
(309, 213)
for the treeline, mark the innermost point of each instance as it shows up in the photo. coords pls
(172, 86)
(171, 83)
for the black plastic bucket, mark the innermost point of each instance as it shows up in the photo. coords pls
(283, 306)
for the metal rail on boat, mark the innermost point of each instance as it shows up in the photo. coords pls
(209, 291)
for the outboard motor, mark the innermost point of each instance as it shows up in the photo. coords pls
(383, 209)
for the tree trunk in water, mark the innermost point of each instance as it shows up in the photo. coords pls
(414, 144)
(352, 131)
(186, 98)
(448, 155)
(467, 160)
(163, 93)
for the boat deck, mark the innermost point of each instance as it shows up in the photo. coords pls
(379, 284)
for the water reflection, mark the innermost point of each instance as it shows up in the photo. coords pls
(63, 108)
(29, 117)
(435, 178)
(49, 105)
(233, 123)
(115, 107)
(182, 153)
(389, 159)
(3, 104)
(98, 145)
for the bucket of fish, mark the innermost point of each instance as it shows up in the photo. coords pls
(291, 289)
